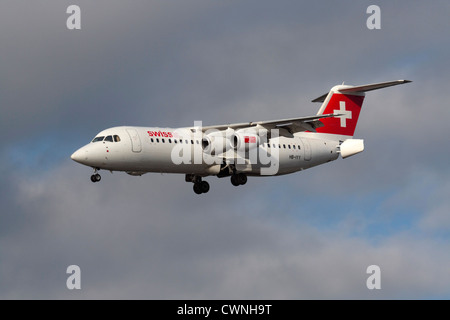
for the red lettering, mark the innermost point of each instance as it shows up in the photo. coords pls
(160, 134)
(249, 139)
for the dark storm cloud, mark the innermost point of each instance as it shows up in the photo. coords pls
(173, 62)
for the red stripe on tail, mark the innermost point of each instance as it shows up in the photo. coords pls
(349, 106)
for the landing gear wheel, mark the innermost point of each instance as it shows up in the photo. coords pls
(96, 177)
(238, 179)
(204, 186)
(197, 188)
(201, 187)
(234, 180)
(242, 178)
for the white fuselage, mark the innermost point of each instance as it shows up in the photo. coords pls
(149, 149)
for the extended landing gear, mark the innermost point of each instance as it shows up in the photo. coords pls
(96, 177)
(199, 185)
(238, 179)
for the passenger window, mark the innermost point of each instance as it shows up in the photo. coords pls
(151, 139)
(298, 147)
(289, 146)
(109, 139)
(157, 140)
(279, 146)
(170, 140)
(293, 146)
(273, 145)
(97, 139)
(284, 146)
(116, 138)
(268, 145)
(175, 140)
(192, 141)
(162, 140)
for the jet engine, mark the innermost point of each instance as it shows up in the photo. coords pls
(243, 141)
(215, 144)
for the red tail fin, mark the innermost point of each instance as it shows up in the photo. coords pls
(346, 101)
(349, 106)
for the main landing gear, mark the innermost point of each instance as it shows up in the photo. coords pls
(96, 177)
(238, 179)
(199, 185)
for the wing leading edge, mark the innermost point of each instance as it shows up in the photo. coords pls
(291, 124)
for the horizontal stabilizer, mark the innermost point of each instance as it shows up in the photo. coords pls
(321, 98)
(363, 88)
(375, 86)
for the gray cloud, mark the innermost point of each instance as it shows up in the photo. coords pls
(150, 246)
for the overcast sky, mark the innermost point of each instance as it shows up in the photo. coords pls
(168, 63)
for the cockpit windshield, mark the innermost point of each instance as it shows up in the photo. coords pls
(114, 138)
(97, 139)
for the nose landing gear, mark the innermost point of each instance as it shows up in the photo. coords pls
(96, 177)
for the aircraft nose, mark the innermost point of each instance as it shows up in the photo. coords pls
(80, 155)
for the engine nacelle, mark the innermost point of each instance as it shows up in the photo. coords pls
(351, 147)
(243, 141)
(215, 144)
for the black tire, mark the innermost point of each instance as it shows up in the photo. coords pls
(234, 180)
(98, 177)
(242, 178)
(204, 186)
(197, 188)
(93, 178)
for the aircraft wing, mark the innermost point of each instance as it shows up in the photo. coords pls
(292, 124)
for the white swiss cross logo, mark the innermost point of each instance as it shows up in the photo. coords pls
(346, 114)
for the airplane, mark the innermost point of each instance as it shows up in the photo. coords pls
(240, 150)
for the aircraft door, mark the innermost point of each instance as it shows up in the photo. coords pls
(135, 140)
(307, 149)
